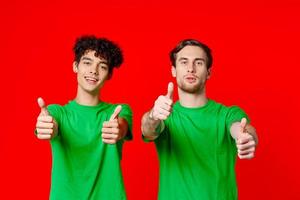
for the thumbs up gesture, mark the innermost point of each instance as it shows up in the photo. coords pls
(46, 126)
(245, 142)
(163, 105)
(111, 130)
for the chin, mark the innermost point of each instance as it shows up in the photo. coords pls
(190, 88)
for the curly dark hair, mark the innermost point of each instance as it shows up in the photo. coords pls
(103, 48)
(191, 42)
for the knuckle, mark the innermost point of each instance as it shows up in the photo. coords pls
(51, 125)
(114, 141)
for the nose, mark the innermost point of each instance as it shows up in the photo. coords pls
(94, 70)
(191, 68)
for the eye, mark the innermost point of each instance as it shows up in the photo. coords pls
(199, 63)
(87, 63)
(184, 62)
(104, 67)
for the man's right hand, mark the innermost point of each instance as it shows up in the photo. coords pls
(163, 105)
(46, 126)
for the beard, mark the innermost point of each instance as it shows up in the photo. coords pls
(191, 88)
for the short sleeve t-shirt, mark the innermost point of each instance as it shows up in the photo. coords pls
(83, 166)
(197, 153)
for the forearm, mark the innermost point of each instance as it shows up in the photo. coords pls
(150, 127)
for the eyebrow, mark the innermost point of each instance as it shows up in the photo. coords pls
(103, 62)
(202, 59)
(196, 59)
(86, 58)
(89, 59)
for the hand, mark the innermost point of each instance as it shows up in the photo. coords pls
(245, 142)
(46, 126)
(111, 131)
(163, 105)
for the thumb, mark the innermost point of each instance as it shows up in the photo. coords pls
(43, 107)
(243, 125)
(116, 113)
(170, 90)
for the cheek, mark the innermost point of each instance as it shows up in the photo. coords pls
(104, 75)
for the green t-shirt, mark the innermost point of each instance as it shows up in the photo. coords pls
(83, 167)
(197, 153)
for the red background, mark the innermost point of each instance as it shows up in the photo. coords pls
(255, 46)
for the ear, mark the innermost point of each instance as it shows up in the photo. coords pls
(173, 70)
(208, 73)
(75, 67)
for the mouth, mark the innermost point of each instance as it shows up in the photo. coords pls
(190, 79)
(91, 79)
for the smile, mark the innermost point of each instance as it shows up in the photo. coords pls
(91, 79)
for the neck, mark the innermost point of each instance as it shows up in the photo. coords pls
(192, 100)
(87, 98)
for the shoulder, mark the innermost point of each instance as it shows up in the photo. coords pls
(54, 108)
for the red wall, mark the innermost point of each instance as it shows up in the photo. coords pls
(255, 47)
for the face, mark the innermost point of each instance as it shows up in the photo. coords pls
(91, 71)
(191, 69)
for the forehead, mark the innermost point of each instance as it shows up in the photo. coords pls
(91, 54)
(191, 52)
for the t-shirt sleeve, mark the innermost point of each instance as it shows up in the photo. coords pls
(126, 113)
(235, 114)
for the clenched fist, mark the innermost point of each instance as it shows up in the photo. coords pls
(46, 126)
(163, 105)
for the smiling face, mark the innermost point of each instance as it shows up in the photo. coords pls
(191, 69)
(92, 72)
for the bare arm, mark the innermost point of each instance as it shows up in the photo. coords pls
(152, 121)
(151, 128)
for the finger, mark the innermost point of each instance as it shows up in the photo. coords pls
(44, 125)
(43, 107)
(163, 100)
(116, 113)
(161, 117)
(246, 146)
(162, 112)
(246, 151)
(44, 131)
(164, 103)
(170, 90)
(245, 138)
(110, 130)
(109, 136)
(109, 141)
(45, 118)
(110, 124)
(43, 137)
(248, 156)
(243, 125)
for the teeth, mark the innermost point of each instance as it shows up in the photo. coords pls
(91, 79)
